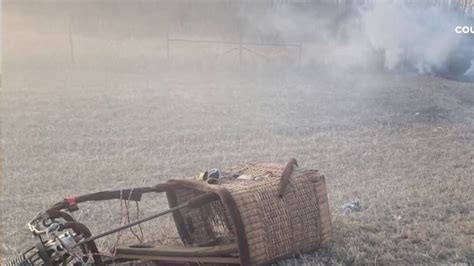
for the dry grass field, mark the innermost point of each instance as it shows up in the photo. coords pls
(90, 102)
(402, 145)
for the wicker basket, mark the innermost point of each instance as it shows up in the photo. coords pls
(251, 214)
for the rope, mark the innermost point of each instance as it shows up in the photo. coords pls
(127, 207)
(125, 218)
(119, 234)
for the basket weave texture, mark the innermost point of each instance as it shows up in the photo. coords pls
(274, 227)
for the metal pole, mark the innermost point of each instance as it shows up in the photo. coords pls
(125, 226)
(192, 203)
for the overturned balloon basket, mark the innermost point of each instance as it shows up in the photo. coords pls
(252, 214)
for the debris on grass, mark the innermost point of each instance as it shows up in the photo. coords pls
(350, 207)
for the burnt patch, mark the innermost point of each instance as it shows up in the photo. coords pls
(432, 114)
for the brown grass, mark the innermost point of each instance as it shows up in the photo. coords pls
(401, 145)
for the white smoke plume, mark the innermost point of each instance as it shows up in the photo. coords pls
(389, 34)
(419, 37)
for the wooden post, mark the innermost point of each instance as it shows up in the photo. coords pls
(301, 54)
(71, 43)
(240, 38)
(241, 48)
(168, 47)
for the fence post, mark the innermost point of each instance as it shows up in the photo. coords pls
(71, 43)
(301, 54)
(168, 47)
(240, 46)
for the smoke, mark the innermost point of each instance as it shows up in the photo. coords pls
(386, 34)
(422, 38)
